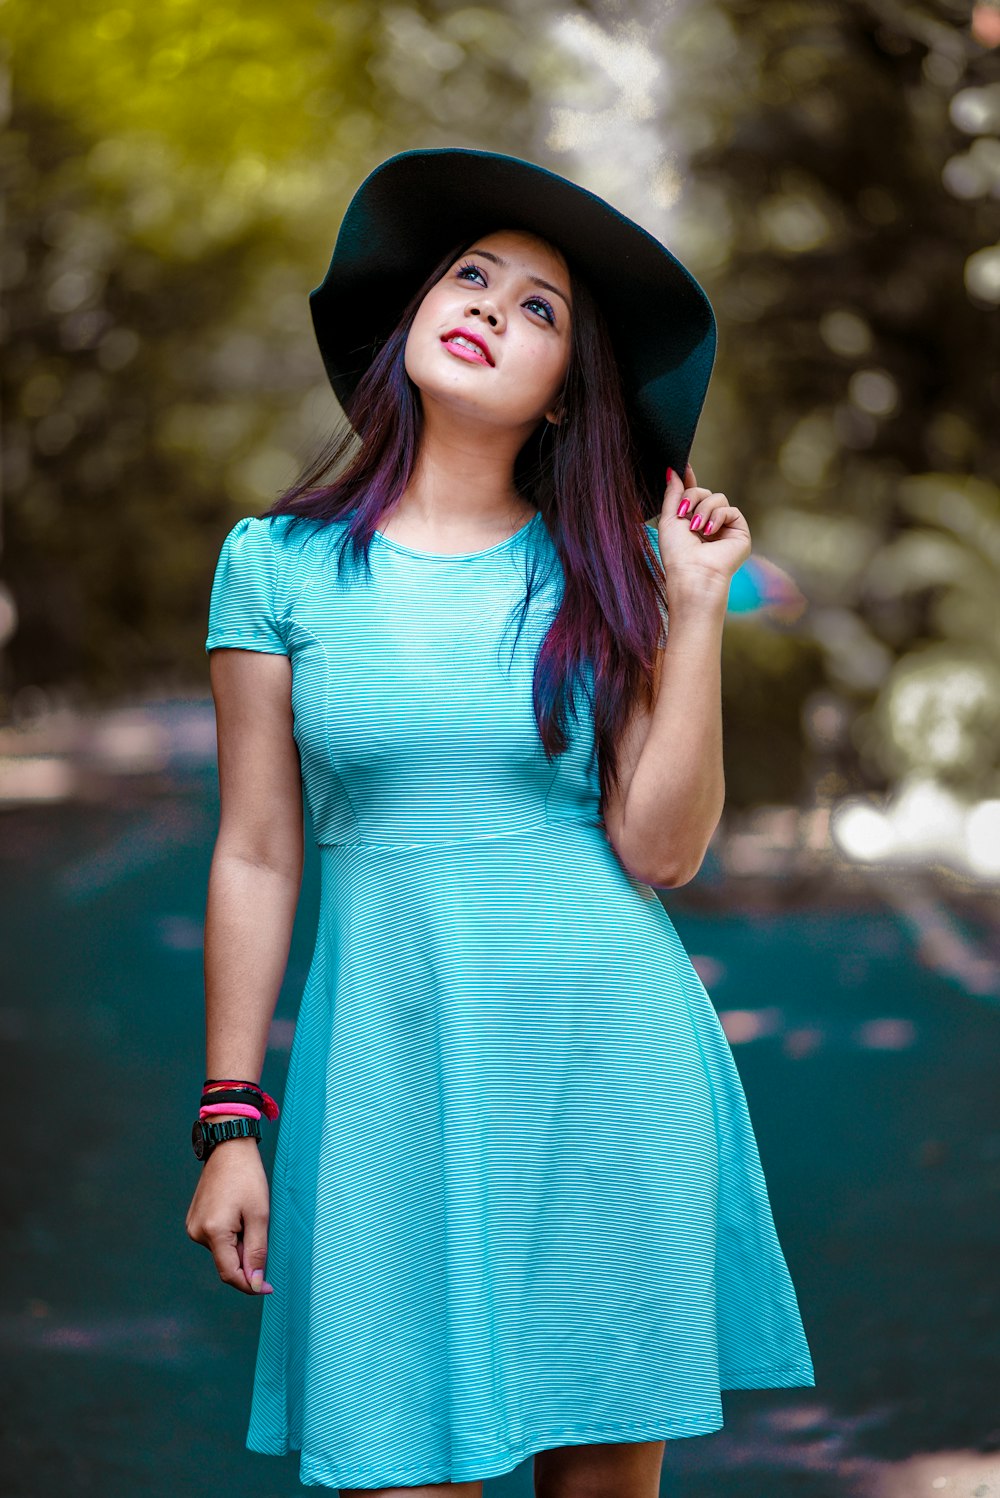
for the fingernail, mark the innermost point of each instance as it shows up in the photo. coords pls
(256, 1280)
(709, 526)
(696, 522)
(683, 507)
(670, 474)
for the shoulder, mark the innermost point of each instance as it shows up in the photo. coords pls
(251, 537)
(270, 542)
(261, 532)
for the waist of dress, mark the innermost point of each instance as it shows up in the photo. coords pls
(584, 823)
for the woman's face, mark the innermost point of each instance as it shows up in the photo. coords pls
(495, 292)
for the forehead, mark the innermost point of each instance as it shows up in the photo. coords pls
(523, 247)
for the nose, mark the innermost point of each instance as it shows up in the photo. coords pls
(482, 305)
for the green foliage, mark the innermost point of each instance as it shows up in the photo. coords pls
(765, 680)
(847, 232)
(175, 176)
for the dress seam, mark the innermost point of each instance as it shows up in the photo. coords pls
(474, 837)
(327, 674)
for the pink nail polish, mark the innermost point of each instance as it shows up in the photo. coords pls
(709, 526)
(696, 522)
(683, 507)
(670, 474)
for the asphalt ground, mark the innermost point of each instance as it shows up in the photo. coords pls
(870, 1069)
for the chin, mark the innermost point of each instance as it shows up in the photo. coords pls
(463, 398)
(474, 411)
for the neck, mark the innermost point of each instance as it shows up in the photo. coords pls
(464, 474)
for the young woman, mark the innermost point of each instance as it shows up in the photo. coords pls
(517, 1205)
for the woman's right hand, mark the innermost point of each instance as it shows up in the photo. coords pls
(229, 1214)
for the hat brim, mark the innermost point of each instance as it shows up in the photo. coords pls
(413, 207)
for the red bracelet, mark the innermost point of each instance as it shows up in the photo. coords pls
(243, 1110)
(268, 1105)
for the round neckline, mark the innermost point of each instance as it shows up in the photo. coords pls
(458, 556)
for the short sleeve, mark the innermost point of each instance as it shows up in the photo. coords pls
(243, 614)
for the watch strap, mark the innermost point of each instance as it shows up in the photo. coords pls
(205, 1136)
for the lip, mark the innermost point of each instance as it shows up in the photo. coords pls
(475, 338)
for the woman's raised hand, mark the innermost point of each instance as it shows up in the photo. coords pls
(700, 529)
(229, 1214)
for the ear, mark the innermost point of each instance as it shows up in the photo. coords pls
(555, 416)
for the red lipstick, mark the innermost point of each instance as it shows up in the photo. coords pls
(475, 338)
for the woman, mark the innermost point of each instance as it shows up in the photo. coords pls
(517, 1205)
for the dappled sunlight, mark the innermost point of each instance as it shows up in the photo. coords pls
(798, 1041)
(923, 822)
(743, 1025)
(175, 177)
(951, 1474)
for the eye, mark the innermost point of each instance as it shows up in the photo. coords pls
(468, 265)
(551, 317)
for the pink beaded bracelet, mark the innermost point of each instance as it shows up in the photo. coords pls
(245, 1110)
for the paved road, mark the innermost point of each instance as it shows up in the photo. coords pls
(871, 1079)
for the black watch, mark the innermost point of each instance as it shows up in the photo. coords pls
(205, 1136)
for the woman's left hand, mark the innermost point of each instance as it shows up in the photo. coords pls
(700, 529)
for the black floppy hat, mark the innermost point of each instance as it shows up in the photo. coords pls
(416, 205)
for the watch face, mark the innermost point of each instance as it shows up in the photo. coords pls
(198, 1139)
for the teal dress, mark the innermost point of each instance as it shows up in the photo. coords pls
(517, 1200)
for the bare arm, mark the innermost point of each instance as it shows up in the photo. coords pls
(256, 872)
(253, 891)
(673, 778)
(672, 787)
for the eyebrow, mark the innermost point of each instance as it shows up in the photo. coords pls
(535, 280)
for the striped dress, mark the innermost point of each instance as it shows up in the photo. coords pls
(517, 1201)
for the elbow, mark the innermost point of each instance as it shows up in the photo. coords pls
(676, 871)
(680, 867)
(284, 858)
(659, 876)
(674, 876)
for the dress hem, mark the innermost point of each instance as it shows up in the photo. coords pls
(318, 1471)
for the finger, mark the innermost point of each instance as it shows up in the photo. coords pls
(255, 1254)
(720, 517)
(673, 491)
(703, 509)
(224, 1245)
(690, 499)
(690, 482)
(677, 499)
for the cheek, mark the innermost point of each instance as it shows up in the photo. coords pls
(544, 367)
(432, 315)
(423, 320)
(421, 334)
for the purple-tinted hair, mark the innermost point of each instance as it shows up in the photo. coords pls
(581, 475)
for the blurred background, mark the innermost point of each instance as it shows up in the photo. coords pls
(173, 177)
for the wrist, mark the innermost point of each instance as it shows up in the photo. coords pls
(696, 590)
(207, 1137)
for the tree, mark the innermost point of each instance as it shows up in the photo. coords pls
(174, 178)
(847, 233)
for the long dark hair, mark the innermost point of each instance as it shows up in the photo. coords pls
(583, 478)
